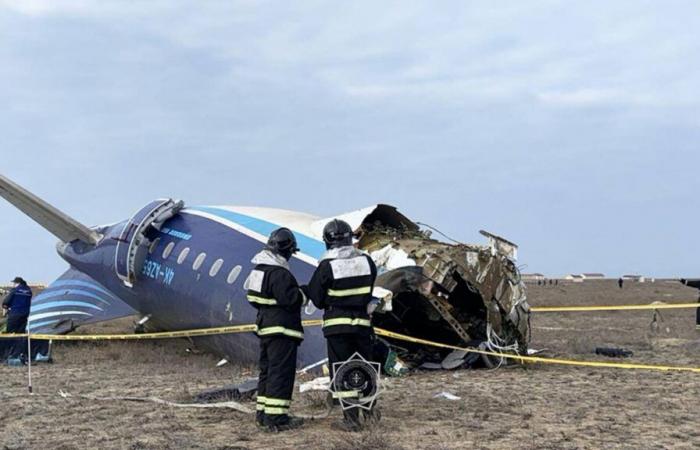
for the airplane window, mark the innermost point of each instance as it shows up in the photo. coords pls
(216, 267)
(199, 261)
(153, 246)
(168, 250)
(183, 254)
(234, 274)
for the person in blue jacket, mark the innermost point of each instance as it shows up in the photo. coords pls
(17, 304)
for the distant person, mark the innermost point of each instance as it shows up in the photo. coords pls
(696, 285)
(620, 282)
(274, 292)
(16, 305)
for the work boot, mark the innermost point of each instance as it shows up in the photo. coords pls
(291, 423)
(350, 423)
(260, 418)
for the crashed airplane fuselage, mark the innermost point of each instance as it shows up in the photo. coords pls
(183, 268)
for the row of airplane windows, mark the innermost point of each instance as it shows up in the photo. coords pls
(199, 260)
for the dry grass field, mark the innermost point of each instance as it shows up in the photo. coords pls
(533, 407)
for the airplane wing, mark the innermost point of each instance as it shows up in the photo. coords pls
(60, 224)
(73, 300)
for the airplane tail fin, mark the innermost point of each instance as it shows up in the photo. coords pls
(73, 300)
(58, 223)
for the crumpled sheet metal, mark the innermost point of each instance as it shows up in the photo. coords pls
(491, 273)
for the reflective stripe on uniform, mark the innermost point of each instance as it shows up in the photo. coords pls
(276, 409)
(277, 402)
(261, 300)
(349, 292)
(280, 330)
(346, 321)
(346, 394)
(261, 403)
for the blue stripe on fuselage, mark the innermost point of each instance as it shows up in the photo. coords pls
(55, 304)
(94, 286)
(49, 293)
(308, 245)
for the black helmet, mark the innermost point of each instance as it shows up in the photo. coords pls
(337, 233)
(19, 280)
(282, 242)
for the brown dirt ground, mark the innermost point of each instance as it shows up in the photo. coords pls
(541, 406)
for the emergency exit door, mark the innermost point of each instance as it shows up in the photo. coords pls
(133, 236)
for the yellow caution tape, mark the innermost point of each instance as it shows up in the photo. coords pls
(535, 359)
(614, 308)
(378, 331)
(146, 336)
(251, 328)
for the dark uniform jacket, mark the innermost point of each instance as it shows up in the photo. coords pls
(342, 286)
(18, 300)
(274, 292)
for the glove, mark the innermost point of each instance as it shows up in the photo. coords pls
(384, 296)
(372, 306)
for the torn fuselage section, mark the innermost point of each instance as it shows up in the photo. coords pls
(463, 295)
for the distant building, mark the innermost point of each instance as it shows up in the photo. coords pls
(593, 276)
(532, 277)
(638, 278)
(575, 278)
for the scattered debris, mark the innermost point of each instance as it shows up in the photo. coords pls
(454, 360)
(313, 366)
(613, 352)
(230, 404)
(394, 366)
(226, 404)
(242, 391)
(430, 366)
(317, 384)
(447, 395)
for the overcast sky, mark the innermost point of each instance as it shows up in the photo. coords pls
(572, 128)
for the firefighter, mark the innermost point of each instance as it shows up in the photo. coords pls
(274, 292)
(342, 286)
(17, 304)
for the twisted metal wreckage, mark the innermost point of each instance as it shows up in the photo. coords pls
(459, 294)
